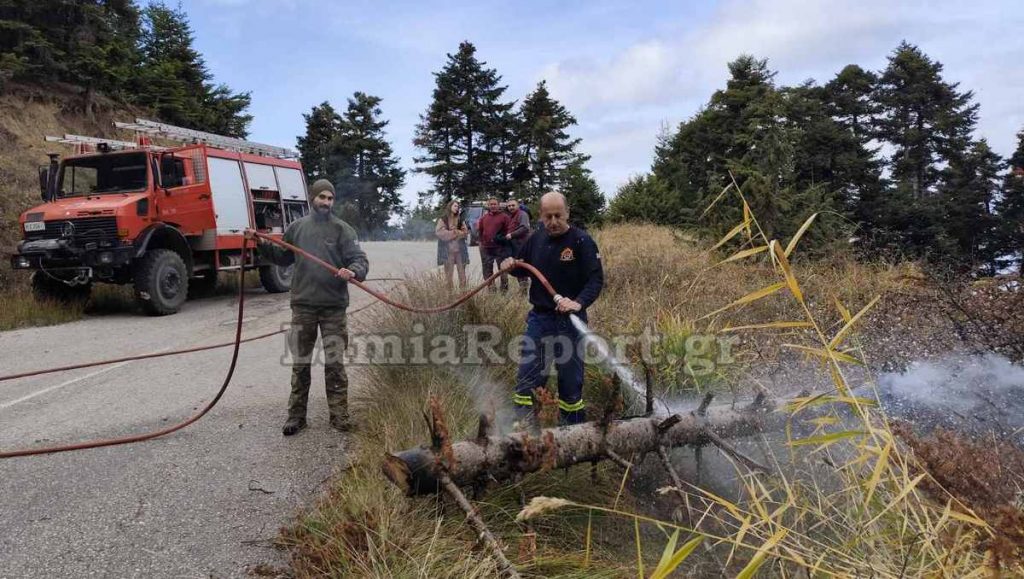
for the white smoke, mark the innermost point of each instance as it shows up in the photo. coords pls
(973, 392)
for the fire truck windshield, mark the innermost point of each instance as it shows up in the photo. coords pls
(104, 173)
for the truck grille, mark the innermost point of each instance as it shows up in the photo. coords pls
(82, 230)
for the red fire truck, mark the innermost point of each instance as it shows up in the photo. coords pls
(164, 219)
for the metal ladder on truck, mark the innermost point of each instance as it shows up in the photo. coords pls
(145, 130)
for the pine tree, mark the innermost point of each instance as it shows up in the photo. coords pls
(546, 146)
(322, 126)
(462, 128)
(924, 118)
(788, 155)
(361, 164)
(1010, 209)
(586, 203)
(927, 123)
(849, 101)
(647, 199)
(90, 43)
(175, 82)
(968, 192)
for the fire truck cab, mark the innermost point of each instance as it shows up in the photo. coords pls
(164, 219)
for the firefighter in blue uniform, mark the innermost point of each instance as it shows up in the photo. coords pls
(569, 259)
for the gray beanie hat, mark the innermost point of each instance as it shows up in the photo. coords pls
(319, 186)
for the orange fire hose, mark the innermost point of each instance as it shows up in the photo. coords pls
(419, 310)
(170, 352)
(238, 341)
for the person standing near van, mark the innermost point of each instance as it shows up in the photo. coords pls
(451, 231)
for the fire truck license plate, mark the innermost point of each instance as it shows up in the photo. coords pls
(35, 225)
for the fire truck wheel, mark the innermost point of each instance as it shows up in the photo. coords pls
(46, 288)
(276, 279)
(161, 282)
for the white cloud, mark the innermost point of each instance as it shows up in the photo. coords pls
(666, 78)
(641, 71)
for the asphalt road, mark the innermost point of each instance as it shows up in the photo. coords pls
(203, 502)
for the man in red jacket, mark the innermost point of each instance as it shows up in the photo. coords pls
(492, 229)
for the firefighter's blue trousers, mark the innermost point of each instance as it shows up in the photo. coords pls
(551, 338)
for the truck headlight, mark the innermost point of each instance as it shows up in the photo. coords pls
(22, 262)
(106, 258)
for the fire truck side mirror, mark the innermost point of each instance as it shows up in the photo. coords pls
(156, 170)
(44, 182)
(48, 178)
(158, 176)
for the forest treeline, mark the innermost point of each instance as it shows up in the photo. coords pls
(144, 56)
(889, 160)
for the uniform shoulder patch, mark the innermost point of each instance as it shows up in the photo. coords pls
(567, 255)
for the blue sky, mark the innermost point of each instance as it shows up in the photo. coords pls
(624, 69)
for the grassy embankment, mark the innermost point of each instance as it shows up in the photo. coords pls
(854, 500)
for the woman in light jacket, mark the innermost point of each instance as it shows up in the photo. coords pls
(452, 252)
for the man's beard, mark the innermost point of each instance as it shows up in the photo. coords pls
(321, 210)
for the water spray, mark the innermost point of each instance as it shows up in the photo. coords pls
(634, 392)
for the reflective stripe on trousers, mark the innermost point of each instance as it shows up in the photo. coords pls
(542, 348)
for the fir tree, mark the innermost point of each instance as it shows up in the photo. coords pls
(849, 101)
(647, 199)
(503, 140)
(322, 126)
(968, 192)
(90, 43)
(462, 128)
(1010, 209)
(695, 162)
(361, 164)
(546, 146)
(586, 203)
(788, 154)
(927, 122)
(175, 82)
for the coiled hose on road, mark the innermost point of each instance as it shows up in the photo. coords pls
(237, 342)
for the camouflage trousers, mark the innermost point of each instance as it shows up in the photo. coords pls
(302, 341)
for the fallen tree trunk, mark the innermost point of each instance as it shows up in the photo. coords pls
(490, 457)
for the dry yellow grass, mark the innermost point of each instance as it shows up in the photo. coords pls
(785, 523)
(865, 513)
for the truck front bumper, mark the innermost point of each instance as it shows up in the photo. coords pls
(60, 254)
